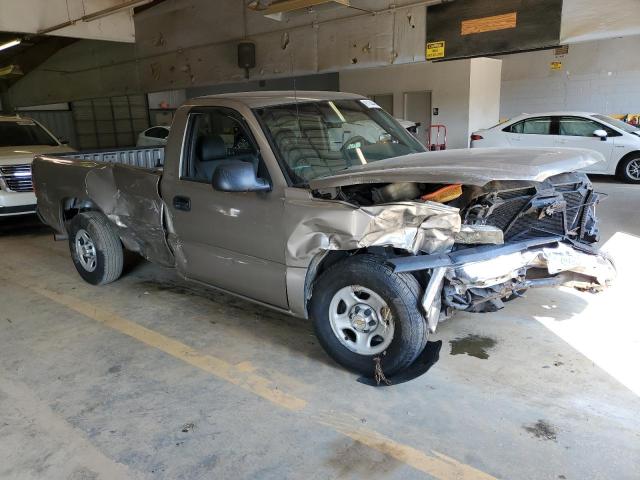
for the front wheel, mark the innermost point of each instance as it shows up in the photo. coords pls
(362, 311)
(95, 248)
(629, 170)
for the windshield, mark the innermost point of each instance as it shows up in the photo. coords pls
(618, 124)
(318, 139)
(24, 133)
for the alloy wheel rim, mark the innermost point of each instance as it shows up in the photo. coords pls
(633, 169)
(361, 320)
(86, 250)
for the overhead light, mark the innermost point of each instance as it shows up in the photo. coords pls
(10, 44)
(10, 71)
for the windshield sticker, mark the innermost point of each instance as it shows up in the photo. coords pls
(370, 104)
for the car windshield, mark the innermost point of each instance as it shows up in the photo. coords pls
(24, 133)
(618, 124)
(318, 139)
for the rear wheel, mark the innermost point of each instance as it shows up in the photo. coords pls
(629, 169)
(362, 311)
(95, 248)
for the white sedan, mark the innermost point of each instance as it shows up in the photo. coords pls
(153, 136)
(617, 141)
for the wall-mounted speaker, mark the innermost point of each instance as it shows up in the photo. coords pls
(246, 56)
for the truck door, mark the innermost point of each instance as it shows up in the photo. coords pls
(229, 240)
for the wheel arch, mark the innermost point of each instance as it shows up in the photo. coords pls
(327, 258)
(627, 156)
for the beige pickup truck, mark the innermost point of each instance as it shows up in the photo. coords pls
(21, 138)
(322, 206)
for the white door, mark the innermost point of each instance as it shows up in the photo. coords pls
(577, 132)
(417, 108)
(531, 132)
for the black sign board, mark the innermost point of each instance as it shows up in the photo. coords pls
(473, 28)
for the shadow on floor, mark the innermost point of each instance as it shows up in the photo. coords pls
(427, 359)
(23, 225)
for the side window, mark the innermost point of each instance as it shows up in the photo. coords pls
(582, 127)
(531, 126)
(515, 128)
(216, 137)
(537, 126)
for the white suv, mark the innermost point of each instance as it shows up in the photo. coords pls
(20, 139)
(619, 142)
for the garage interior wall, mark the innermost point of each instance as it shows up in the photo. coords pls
(109, 121)
(598, 76)
(167, 56)
(460, 108)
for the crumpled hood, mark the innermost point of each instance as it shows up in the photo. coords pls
(476, 166)
(22, 155)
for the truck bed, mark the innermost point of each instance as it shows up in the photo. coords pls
(121, 183)
(141, 157)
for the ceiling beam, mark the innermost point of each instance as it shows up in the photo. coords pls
(284, 6)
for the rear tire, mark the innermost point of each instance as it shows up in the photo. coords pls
(95, 247)
(629, 169)
(361, 310)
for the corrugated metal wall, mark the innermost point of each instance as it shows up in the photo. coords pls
(110, 122)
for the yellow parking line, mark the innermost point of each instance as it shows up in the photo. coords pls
(436, 465)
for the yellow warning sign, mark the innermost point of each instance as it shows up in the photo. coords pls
(556, 65)
(435, 50)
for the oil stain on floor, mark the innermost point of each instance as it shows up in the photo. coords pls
(472, 345)
(542, 430)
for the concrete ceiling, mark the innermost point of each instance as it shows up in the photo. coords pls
(91, 19)
(46, 26)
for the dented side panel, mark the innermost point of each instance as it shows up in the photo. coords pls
(128, 196)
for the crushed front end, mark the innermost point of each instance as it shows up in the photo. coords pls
(548, 233)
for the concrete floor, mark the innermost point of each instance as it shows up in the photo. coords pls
(153, 378)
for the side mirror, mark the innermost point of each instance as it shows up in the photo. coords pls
(602, 134)
(63, 141)
(238, 176)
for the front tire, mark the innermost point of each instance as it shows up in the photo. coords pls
(629, 169)
(95, 248)
(361, 311)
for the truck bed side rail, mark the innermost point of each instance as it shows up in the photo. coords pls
(143, 157)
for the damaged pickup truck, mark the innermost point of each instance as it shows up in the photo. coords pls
(322, 206)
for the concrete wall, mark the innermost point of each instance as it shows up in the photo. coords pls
(600, 76)
(184, 44)
(85, 69)
(461, 108)
(325, 81)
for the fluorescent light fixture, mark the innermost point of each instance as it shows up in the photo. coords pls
(10, 44)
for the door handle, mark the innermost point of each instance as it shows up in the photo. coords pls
(182, 203)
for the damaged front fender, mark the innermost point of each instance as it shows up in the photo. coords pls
(317, 226)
